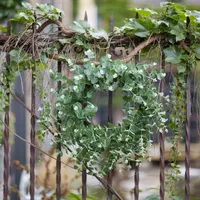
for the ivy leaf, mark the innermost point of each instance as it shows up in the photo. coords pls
(176, 198)
(99, 34)
(134, 27)
(79, 42)
(142, 33)
(14, 53)
(64, 41)
(178, 32)
(27, 5)
(83, 23)
(181, 69)
(41, 66)
(152, 197)
(90, 54)
(160, 22)
(63, 58)
(172, 55)
(197, 51)
(77, 27)
(3, 29)
(144, 12)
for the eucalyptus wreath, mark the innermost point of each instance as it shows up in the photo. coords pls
(95, 145)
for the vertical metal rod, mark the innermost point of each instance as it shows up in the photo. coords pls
(187, 132)
(85, 16)
(6, 130)
(110, 117)
(162, 140)
(33, 121)
(137, 168)
(187, 140)
(84, 172)
(58, 147)
(84, 184)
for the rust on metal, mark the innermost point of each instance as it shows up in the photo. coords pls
(187, 139)
(58, 147)
(85, 16)
(84, 184)
(84, 172)
(136, 166)
(33, 120)
(187, 125)
(6, 131)
(162, 140)
(110, 119)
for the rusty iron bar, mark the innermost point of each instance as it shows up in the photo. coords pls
(33, 120)
(58, 146)
(162, 140)
(6, 130)
(187, 139)
(110, 118)
(84, 184)
(187, 126)
(84, 171)
(137, 168)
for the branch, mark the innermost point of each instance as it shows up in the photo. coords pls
(140, 47)
(126, 59)
(108, 187)
(59, 24)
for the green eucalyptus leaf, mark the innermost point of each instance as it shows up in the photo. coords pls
(78, 110)
(90, 109)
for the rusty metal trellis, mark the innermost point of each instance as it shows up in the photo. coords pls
(187, 126)
(33, 120)
(136, 166)
(110, 118)
(110, 115)
(162, 140)
(6, 131)
(58, 147)
(187, 139)
(84, 171)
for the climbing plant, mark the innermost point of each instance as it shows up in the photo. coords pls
(92, 64)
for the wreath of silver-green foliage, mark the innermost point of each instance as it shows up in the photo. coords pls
(76, 110)
(95, 144)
